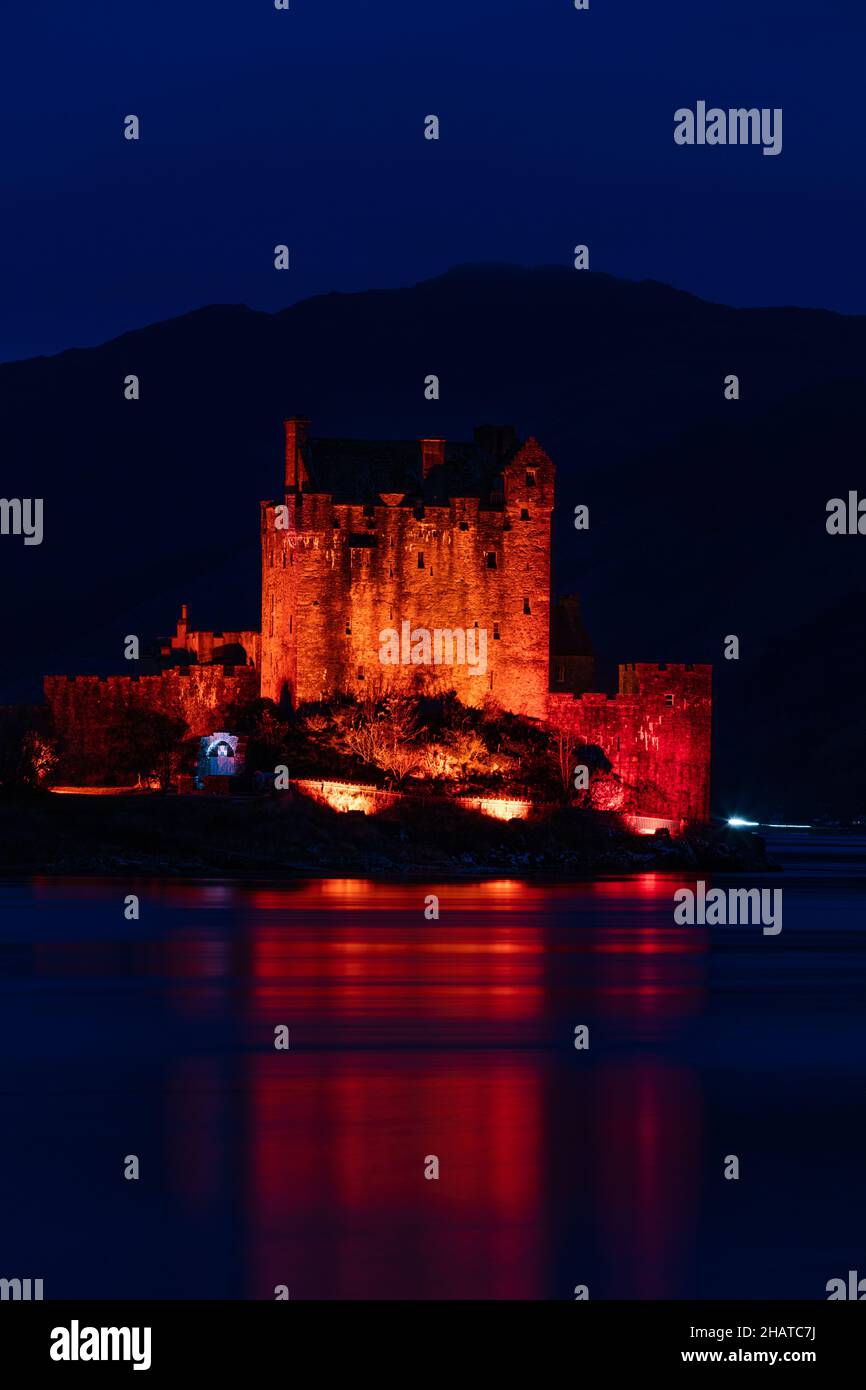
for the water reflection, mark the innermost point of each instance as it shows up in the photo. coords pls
(409, 1038)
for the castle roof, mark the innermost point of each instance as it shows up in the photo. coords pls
(361, 470)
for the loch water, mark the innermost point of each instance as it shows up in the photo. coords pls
(411, 1038)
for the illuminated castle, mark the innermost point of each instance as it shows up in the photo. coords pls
(370, 535)
(422, 565)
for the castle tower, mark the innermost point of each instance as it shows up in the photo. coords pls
(524, 595)
(418, 537)
(281, 526)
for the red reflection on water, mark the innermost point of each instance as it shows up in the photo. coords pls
(339, 1204)
(648, 1146)
(381, 1004)
(411, 1038)
(396, 968)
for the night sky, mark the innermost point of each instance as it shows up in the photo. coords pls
(306, 127)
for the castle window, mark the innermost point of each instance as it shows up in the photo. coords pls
(491, 559)
(526, 607)
(464, 526)
(669, 699)
(290, 622)
(496, 632)
(420, 559)
(348, 628)
(524, 514)
(491, 680)
(360, 673)
(530, 479)
(560, 672)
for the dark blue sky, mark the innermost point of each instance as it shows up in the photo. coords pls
(306, 127)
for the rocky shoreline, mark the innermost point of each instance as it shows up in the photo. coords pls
(289, 837)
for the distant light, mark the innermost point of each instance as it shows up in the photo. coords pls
(737, 822)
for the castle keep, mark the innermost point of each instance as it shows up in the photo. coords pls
(421, 565)
(370, 535)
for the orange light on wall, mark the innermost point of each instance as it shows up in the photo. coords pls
(504, 810)
(346, 797)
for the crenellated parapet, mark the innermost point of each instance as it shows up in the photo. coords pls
(84, 708)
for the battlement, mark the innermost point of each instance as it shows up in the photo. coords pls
(199, 676)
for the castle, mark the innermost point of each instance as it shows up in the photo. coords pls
(421, 564)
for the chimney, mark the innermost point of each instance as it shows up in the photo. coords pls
(432, 454)
(498, 440)
(179, 639)
(296, 435)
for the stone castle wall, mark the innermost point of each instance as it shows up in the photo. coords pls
(84, 708)
(656, 734)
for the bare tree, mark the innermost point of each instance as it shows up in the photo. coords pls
(565, 746)
(384, 737)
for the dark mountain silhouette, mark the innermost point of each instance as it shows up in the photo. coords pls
(803, 698)
(707, 516)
